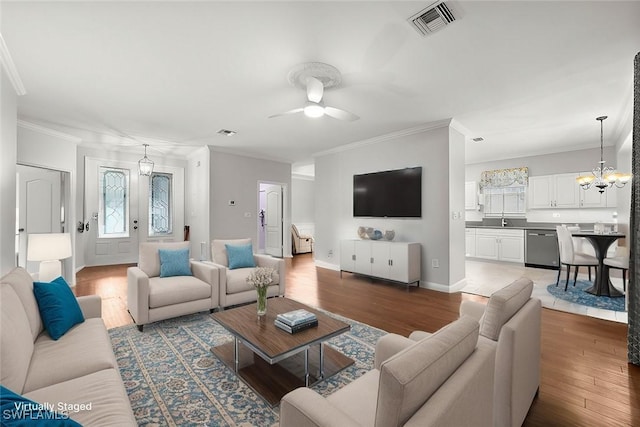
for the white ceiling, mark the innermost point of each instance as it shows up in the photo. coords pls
(528, 77)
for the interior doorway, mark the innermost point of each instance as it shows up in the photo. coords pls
(42, 200)
(271, 230)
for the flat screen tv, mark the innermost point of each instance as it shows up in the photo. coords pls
(392, 194)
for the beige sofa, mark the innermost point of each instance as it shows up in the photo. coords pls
(79, 368)
(445, 379)
(234, 288)
(510, 322)
(151, 298)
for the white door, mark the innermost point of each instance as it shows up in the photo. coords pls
(39, 207)
(273, 223)
(380, 256)
(111, 198)
(511, 249)
(486, 246)
(567, 195)
(363, 257)
(399, 260)
(347, 255)
(541, 192)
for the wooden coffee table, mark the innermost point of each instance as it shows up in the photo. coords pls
(274, 362)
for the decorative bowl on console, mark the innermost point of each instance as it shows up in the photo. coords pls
(375, 235)
(389, 234)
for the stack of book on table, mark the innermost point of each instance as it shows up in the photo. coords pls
(295, 321)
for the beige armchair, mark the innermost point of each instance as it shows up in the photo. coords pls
(234, 288)
(302, 243)
(510, 322)
(445, 379)
(151, 298)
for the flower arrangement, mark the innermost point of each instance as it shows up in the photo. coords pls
(261, 278)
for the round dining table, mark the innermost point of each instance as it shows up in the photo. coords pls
(601, 242)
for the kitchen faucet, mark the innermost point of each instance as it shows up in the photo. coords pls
(504, 222)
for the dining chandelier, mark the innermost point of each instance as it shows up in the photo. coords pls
(603, 177)
(145, 165)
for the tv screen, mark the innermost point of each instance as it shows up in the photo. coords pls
(395, 193)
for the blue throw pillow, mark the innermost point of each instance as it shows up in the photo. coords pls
(240, 256)
(16, 410)
(58, 307)
(174, 262)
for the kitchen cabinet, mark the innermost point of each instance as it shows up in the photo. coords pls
(500, 244)
(470, 195)
(592, 198)
(395, 261)
(470, 242)
(554, 191)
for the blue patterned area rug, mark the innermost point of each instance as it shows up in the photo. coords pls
(578, 295)
(172, 378)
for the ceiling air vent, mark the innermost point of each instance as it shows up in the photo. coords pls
(433, 18)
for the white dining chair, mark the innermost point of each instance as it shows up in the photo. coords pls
(569, 257)
(620, 260)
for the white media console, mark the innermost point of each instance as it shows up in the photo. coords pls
(394, 261)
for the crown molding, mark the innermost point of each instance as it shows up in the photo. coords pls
(49, 132)
(10, 68)
(387, 137)
(460, 128)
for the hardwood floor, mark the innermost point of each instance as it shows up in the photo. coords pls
(586, 380)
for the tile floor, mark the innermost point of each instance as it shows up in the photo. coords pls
(486, 277)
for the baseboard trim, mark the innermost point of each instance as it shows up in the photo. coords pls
(456, 287)
(327, 265)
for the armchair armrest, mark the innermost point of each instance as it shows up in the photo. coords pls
(418, 335)
(473, 309)
(304, 407)
(208, 273)
(389, 345)
(275, 263)
(91, 306)
(138, 295)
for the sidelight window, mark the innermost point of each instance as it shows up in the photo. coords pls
(160, 204)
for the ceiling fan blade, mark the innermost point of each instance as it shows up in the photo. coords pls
(294, 111)
(315, 89)
(339, 114)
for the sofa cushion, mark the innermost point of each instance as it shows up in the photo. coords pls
(174, 262)
(86, 348)
(17, 410)
(237, 280)
(240, 256)
(22, 284)
(149, 259)
(502, 305)
(103, 390)
(358, 398)
(16, 344)
(219, 251)
(164, 291)
(58, 307)
(410, 377)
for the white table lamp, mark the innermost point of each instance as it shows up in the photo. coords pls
(49, 249)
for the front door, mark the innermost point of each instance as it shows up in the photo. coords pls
(111, 198)
(273, 223)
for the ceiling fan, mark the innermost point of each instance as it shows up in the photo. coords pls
(310, 76)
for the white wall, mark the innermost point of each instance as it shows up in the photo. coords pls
(334, 200)
(8, 147)
(235, 177)
(197, 200)
(303, 206)
(456, 209)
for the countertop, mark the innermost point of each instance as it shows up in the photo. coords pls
(522, 224)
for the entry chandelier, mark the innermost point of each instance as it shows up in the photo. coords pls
(603, 177)
(145, 165)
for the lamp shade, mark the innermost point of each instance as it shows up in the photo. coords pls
(48, 246)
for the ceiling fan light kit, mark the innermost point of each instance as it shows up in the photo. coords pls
(603, 177)
(314, 78)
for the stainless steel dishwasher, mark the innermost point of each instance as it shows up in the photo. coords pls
(541, 249)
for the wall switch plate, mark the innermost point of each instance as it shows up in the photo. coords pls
(435, 263)
(330, 254)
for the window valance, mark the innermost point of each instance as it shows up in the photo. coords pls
(504, 177)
